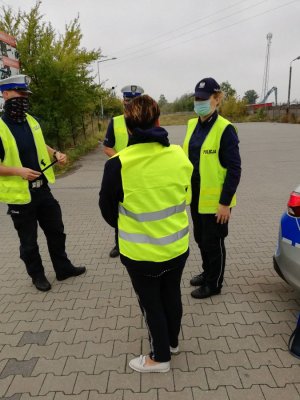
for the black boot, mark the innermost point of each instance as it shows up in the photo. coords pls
(75, 271)
(41, 283)
(114, 252)
(205, 291)
(198, 280)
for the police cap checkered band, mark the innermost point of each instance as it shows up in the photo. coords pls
(131, 91)
(16, 82)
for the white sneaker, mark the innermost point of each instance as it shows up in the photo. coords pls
(138, 364)
(174, 350)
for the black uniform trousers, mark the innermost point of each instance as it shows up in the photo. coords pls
(45, 210)
(210, 237)
(117, 237)
(159, 295)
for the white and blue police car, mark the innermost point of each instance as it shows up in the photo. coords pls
(287, 254)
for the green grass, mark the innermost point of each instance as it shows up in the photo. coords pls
(176, 118)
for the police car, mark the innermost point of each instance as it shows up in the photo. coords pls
(287, 255)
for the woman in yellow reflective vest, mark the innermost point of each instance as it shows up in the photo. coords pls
(211, 144)
(144, 192)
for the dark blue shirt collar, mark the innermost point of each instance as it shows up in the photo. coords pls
(208, 123)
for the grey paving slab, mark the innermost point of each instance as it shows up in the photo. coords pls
(75, 341)
(34, 337)
(17, 367)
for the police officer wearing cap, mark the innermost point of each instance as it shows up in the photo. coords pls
(212, 146)
(24, 187)
(116, 139)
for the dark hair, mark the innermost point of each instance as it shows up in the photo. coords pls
(142, 112)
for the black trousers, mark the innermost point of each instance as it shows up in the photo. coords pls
(45, 210)
(210, 237)
(159, 297)
(117, 237)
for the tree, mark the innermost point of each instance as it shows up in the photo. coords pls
(162, 101)
(228, 90)
(184, 103)
(250, 96)
(63, 89)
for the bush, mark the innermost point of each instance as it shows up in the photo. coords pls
(234, 109)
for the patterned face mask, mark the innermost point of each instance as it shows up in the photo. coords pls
(16, 108)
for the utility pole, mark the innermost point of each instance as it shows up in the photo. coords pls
(267, 68)
(98, 62)
(290, 80)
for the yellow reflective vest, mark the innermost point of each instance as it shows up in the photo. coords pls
(212, 173)
(121, 134)
(153, 223)
(14, 189)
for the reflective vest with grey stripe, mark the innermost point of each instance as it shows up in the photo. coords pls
(153, 223)
(121, 133)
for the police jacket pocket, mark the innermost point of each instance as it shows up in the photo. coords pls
(19, 211)
(21, 215)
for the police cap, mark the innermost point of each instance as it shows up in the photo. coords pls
(206, 87)
(131, 91)
(16, 82)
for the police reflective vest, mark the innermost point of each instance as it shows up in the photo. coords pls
(212, 173)
(121, 134)
(15, 189)
(153, 223)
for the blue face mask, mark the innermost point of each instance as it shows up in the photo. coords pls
(202, 108)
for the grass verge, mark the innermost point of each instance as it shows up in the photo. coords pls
(83, 147)
(176, 119)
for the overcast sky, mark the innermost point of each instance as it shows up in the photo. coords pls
(167, 46)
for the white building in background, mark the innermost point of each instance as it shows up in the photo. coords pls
(9, 58)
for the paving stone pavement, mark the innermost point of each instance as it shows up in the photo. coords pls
(75, 341)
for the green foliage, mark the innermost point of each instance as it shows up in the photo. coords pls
(10, 22)
(181, 104)
(250, 96)
(228, 90)
(112, 105)
(162, 101)
(184, 103)
(64, 94)
(233, 109)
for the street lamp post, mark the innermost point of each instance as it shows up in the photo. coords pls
(290, 79)
(98, 62)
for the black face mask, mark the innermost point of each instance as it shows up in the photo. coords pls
(16, 108)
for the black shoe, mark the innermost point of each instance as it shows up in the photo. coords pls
(205, 291)
(75, 271)
(198, 280)
(114, 252)
(41, 283)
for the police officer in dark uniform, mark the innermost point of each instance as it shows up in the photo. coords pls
(212, 146)
(116, 139)
(24, 187)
